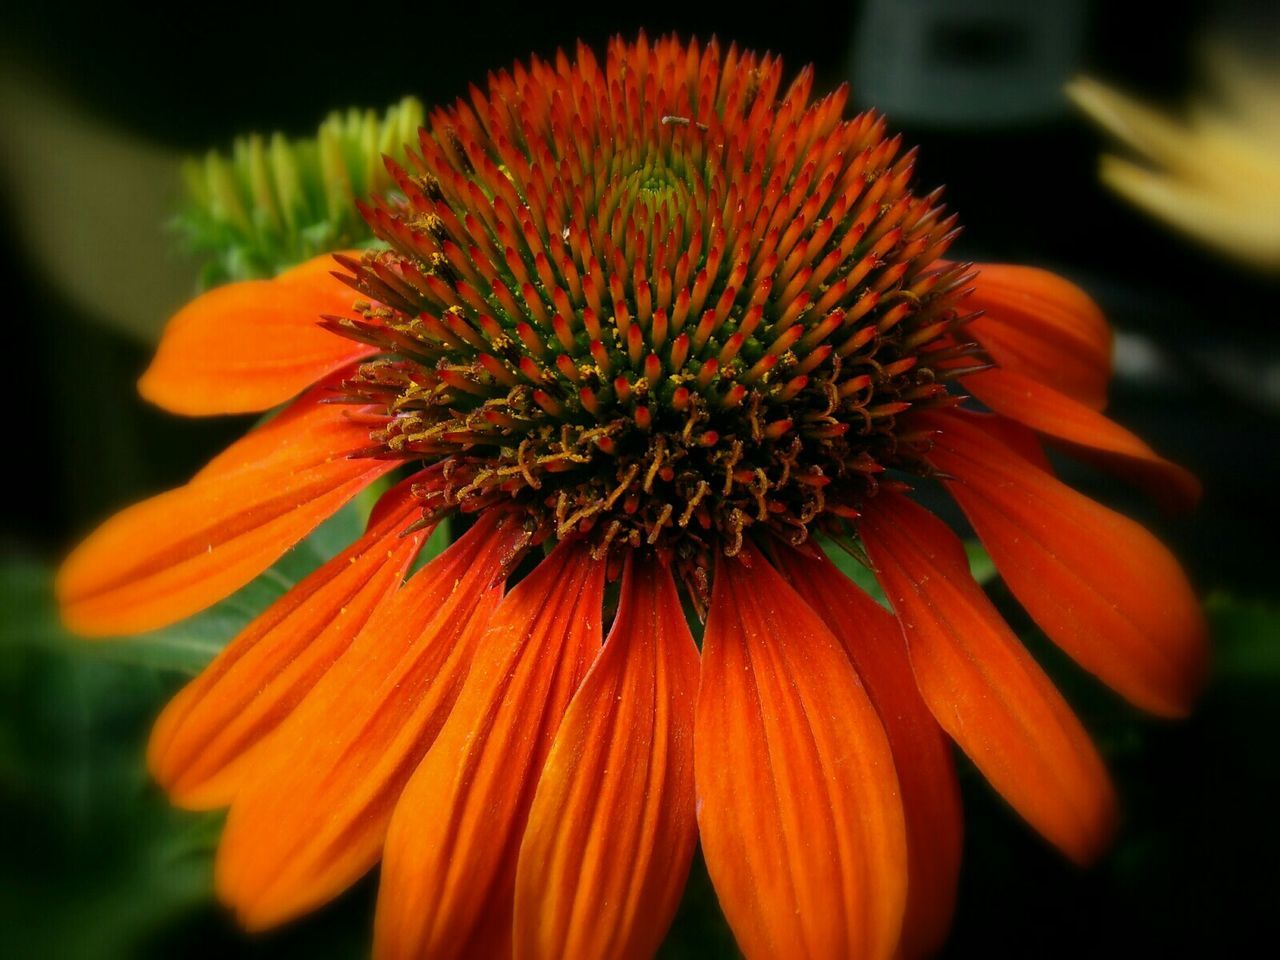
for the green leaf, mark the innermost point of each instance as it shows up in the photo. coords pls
(981, 566)
(435, 545)
(104, 864)
(1246, 639)
(101, 861)
(855, 569)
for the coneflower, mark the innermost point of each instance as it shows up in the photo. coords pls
(650, 325)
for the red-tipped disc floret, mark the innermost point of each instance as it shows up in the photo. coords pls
(656, 301)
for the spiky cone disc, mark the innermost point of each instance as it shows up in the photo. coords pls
(657, 302)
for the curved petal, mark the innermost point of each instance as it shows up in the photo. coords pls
(982, 686)
(449, 864)
(276, 436)
(798, 807)
(1087, 434)
(1037, 324)
(314, 810)
(612, 829)
(872, 638)
(246, 347)
(209, 731)
(176, 553)
(1099, 585)
(1014, 436)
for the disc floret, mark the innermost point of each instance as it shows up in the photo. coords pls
(656, 302)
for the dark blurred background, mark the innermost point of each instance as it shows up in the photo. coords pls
(99, 105)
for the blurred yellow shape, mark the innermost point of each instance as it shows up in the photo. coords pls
(1214, 175)
(90, 204)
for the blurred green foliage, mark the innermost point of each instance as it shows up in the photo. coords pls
(104, 866)
(100, 861)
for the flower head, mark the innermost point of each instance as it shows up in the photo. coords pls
(651, 325)
(660, 303)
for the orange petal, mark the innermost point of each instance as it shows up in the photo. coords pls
(1099, 585)
(872, 638)
(1087, 434)
(1014, 436)
(798, 807)
(981, 684)
(311, 413)
(313, 814)
(248, 346)
(209, 731)
(448, 874)
(1037, 324)
(612, 830)
(176, 553)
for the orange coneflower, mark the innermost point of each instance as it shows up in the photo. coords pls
(653, 323)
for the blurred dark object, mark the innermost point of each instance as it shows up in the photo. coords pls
(953, 63)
